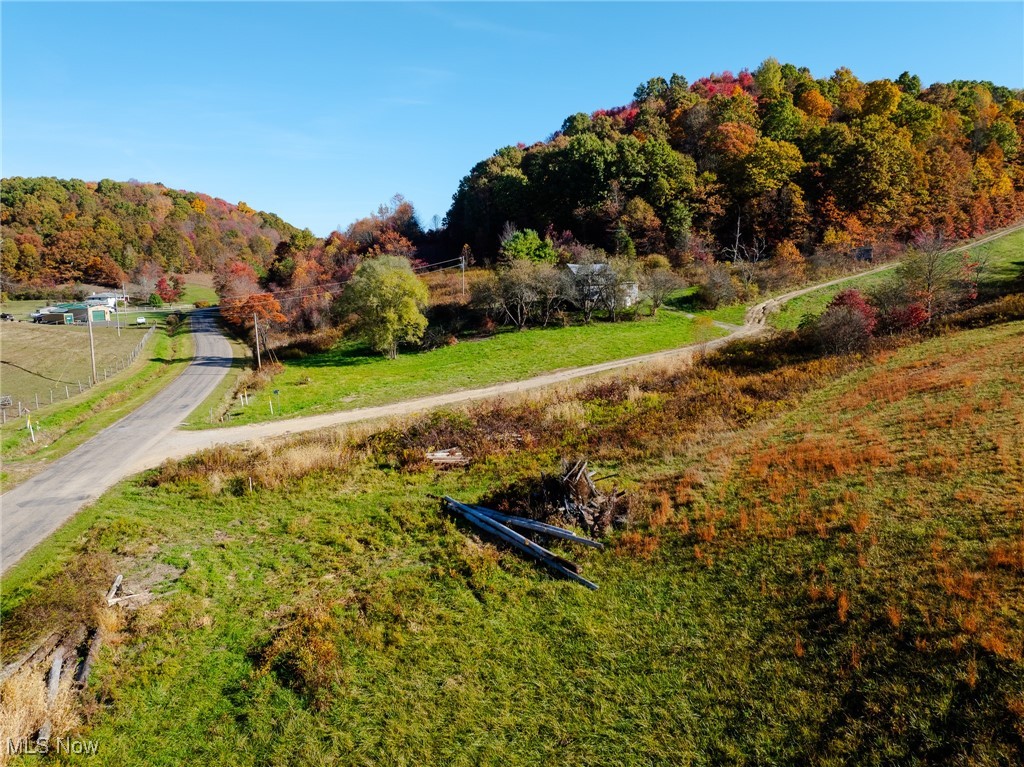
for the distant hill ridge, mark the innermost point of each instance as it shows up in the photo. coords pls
(57, 230)
(762, 159)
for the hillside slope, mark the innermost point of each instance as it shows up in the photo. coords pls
(825, 564)
(760, 162)
(57, 230)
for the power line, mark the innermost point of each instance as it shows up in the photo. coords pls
(455, 263)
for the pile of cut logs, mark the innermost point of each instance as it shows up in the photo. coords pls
(70, 654)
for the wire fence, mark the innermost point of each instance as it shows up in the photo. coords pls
(65, 390)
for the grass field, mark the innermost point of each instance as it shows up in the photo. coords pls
(350, 376)
(825, 565)
(1005, 265)
(61, 427)
(685, 300)
(39, 359)
(198, 287)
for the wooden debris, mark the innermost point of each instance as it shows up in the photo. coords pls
(492, 522)
(51, 693)
(583, 503)
(146, 595)
(113, 589)
(32, 656)
(82, 675)
(451, 457)
(537, 527)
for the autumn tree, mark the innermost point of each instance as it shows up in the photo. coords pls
(658, 281)
(936, 278)
(386, 298)
(167, 292)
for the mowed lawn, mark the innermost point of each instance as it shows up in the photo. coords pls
(1004, 265)
(351, 376)
(38, 359)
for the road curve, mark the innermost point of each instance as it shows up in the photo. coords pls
(36, 508)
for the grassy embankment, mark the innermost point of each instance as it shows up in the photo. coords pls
(351, 376)
(825, 565)
(1004, 265)
(57, 352)
(199, 287)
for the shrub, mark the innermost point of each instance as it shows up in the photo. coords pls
(202, 304)
(903, 319)
(717, 287)
(856, 300)
(1006, 309)
(842, 330)
(155, 300)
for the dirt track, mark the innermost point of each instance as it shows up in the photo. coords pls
(35, 509)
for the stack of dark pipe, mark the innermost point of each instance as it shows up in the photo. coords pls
(500, 526)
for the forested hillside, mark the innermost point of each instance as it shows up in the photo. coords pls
(758, 160)
(58, 231)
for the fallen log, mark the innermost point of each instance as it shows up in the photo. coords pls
(32, 656)
(82, 676)
(520, 542)
(537, 527)
(51, 693)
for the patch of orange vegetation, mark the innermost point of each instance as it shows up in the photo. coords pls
(636, 544)
(1008, 555)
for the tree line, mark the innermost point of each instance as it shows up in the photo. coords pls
(58, 231)
(741, 181)
(769, 159)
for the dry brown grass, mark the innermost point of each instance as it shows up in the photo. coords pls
(23, 708)
(446, 287)
(637, 544)
(263, 464)
(303, 652)
(569, 414)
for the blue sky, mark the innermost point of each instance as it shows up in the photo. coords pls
(321, 111)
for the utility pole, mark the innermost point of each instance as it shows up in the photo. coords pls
(256, 330)
(92, 344)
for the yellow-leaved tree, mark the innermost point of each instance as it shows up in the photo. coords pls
(387, 299)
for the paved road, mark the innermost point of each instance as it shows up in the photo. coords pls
(36, 508)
